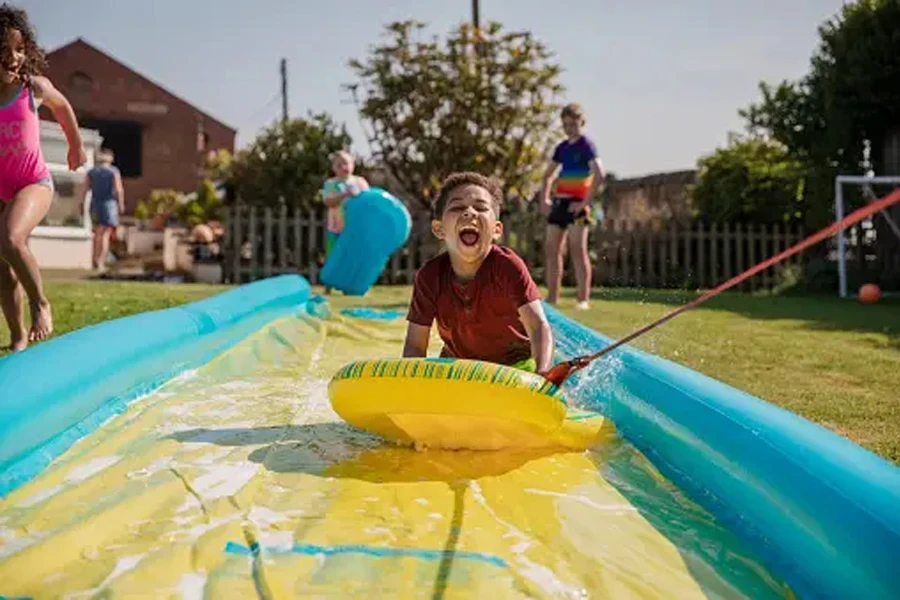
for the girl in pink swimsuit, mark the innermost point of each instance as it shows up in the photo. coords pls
(26, 189)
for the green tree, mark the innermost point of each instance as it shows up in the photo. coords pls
(163, 203)
(204, 207)
(218, 166)
(847, 103)
(289, 160)
(436, 107)
(141, 211)
(752, 180)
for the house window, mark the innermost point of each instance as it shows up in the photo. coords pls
(125, 139)
(202, 136)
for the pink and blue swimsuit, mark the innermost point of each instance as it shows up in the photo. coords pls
(21, 160)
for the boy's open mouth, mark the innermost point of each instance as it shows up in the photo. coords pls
(469, 236)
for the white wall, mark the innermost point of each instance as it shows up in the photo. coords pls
(56, 246)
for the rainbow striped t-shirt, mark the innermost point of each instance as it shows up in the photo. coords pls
(575, 177)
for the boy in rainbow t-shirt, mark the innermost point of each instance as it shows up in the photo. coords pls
(580, 173)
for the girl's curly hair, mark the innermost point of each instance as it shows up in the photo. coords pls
(16, 18)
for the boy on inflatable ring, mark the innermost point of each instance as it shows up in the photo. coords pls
(486, 304)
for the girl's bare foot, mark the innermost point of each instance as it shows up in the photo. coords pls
(18, 336)
(17, 346)
(41, 321)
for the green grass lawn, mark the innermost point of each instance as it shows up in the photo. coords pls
(78, 303)
(833, 361)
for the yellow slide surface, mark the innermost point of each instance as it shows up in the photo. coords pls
(239, 481)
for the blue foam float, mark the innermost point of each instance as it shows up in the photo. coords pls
(376, 224)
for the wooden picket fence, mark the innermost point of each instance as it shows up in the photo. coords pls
(262, 242)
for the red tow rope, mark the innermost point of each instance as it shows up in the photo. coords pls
(559, 373)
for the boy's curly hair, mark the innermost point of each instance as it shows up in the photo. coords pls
(455, 180)
(16, 18)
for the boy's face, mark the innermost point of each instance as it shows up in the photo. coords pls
(343, 167)
(469, 224)
(572, 126)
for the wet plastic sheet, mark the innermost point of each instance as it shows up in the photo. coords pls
(238, 480)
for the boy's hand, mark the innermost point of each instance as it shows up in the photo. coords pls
(416, 343)
(577, 207)
(545, 207)
(350, 190)
(539, 332)
(76, 157)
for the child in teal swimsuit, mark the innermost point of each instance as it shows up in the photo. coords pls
(337, 189)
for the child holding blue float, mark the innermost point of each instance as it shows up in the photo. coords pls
(335, 191)
(485, 302)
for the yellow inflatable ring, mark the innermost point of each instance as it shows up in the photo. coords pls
(457, 404)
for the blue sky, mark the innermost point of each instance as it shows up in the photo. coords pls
(661, 81)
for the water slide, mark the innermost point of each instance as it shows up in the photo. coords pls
(193, 452)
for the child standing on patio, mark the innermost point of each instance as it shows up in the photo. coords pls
(26, 188)
(104, 182)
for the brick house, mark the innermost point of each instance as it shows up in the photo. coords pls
(159, 140)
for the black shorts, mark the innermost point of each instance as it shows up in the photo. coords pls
(562, 217)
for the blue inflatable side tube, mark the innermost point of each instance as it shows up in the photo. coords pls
(60, 390)
(376, 226)
(822, 511)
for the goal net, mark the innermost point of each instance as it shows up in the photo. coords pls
(870, 251)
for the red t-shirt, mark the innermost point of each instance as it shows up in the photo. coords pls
(477, 319)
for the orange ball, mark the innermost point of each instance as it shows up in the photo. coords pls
(869, 293)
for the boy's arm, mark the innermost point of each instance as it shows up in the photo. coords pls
(85, 187)
(120, 192)
(540, 334)
(416, 344)
(514, 281)
(333, 198)
(421, 314)
(549, 175)
(65, 116)
(599, 177)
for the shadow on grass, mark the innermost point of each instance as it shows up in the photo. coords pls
(816, 312)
